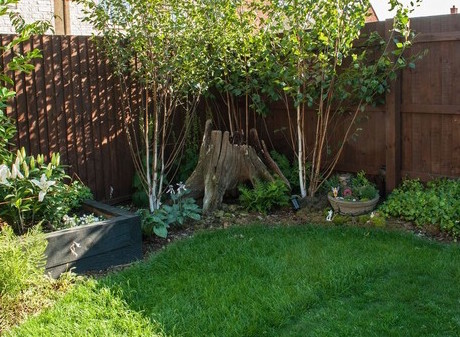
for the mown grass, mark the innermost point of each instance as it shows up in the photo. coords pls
(272, 281)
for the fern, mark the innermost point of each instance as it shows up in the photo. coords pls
(264, 196)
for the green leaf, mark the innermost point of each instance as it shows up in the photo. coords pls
(161, 231)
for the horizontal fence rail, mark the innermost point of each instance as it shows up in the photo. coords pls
(70, 105)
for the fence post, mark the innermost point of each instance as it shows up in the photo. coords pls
(393, 125)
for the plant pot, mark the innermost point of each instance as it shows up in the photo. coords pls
(352, 207)
(96, 246)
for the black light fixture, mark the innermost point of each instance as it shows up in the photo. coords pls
(295, 202)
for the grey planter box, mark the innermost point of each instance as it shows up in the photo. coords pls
(97, 246)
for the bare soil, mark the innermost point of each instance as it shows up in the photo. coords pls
(234, 215)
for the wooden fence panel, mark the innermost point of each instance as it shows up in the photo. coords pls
(69, 104)
(431, 101)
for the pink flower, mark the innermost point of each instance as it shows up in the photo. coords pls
(347, 192)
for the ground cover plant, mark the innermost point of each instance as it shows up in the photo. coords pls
(24, 287)
(272, 281)
(437, 203)
(265, 196)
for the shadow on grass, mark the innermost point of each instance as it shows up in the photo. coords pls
(297, 281)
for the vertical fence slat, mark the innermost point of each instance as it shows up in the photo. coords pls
(86, 112)
(40, 96)
(48, 84)
(59, 99)
(22, 115)
(96, 125)
(105, 136)
(70, 104)
(393, 128)
(78, 108)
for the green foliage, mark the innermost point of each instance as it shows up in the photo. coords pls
(104, 313)
(265, 196)
(317, 62)
(24, 287)
(360, 188)
(35, 192)
(169, 43)
(7, 129)
(377, 219)
(436, 204)
(18, 62)
(290, 170)
(22, 261)
(176, 213)
(271, 281)
(340, 220)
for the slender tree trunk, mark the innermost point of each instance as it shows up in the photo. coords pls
(153, 202)
(301, 155)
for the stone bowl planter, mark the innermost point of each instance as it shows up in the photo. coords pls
(352, 207)
(97, 246)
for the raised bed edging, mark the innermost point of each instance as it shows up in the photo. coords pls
(97, 246)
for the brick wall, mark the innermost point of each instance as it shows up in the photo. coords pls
(77, 27)
(33, 10)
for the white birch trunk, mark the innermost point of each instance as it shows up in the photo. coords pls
(300, 154)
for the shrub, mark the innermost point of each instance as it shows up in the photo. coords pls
(35, 192)
(265, 196)
(437, 203)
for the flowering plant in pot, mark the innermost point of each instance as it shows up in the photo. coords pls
(353, 196)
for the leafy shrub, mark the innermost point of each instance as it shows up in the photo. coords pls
(176, 213)
(36, 192)
(436, 204)
(24, 287)
(264, 196)
(61, 202)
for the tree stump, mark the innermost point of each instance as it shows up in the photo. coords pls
(223, 165)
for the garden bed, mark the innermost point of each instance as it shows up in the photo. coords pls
(96, 246)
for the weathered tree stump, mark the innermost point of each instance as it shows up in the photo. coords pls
(223, 165)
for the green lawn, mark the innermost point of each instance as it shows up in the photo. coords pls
(272, 281)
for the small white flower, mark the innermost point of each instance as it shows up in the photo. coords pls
(4, 174)
(181, 187)
(44, 185)
(171, 190)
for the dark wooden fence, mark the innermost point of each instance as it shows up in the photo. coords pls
(416, 133)
(70, 105)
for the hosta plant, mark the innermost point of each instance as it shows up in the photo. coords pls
(175, 212)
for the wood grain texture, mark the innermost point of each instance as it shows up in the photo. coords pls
(97, 246)
(70, 104)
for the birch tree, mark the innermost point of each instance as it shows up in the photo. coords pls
(320, 65)
(161, 45)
